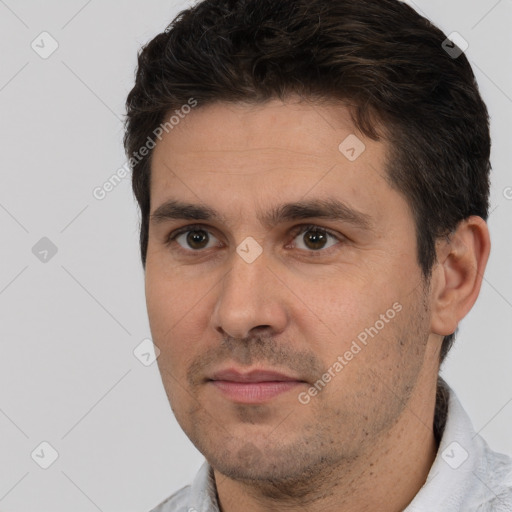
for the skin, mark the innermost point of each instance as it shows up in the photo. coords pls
(297, 307)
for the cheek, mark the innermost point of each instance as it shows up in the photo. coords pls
(364, 324)
(173, 291)
(178, 315)
(165, 308)
(168, 296)
(342, 306)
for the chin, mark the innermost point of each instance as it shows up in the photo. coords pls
(263, 464)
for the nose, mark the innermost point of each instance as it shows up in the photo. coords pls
(250, 298)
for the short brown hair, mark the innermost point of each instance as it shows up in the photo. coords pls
(379, 56)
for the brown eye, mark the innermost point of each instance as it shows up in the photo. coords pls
(314, 239)
(195, 239)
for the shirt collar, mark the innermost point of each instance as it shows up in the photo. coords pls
(203, 492)
(457, 479)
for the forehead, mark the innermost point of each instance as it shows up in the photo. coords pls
(310, 131)
(249, 157)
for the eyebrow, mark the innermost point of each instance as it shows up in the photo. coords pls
(325, 208)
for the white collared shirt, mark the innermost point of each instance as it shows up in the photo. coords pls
(466, 476)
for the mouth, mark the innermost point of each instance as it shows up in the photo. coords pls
(256, 386)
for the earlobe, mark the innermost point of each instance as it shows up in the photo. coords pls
(457, 276)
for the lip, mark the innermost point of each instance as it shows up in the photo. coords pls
(232, 375)
(255, 386)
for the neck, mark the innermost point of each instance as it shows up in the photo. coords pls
(399, 460)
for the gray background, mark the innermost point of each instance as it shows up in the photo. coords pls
(69, 324)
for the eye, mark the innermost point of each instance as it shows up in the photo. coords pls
(314, 238)
(196, 238)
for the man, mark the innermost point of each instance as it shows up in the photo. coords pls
(313, 178)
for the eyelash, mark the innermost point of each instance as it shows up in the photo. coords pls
(296, 231)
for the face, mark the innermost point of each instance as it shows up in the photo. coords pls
(286, 298)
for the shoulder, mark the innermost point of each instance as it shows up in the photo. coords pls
(497, 480)
(467, 475)
(177, 502)
(199, 496)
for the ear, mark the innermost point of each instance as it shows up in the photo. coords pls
(458, 273)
